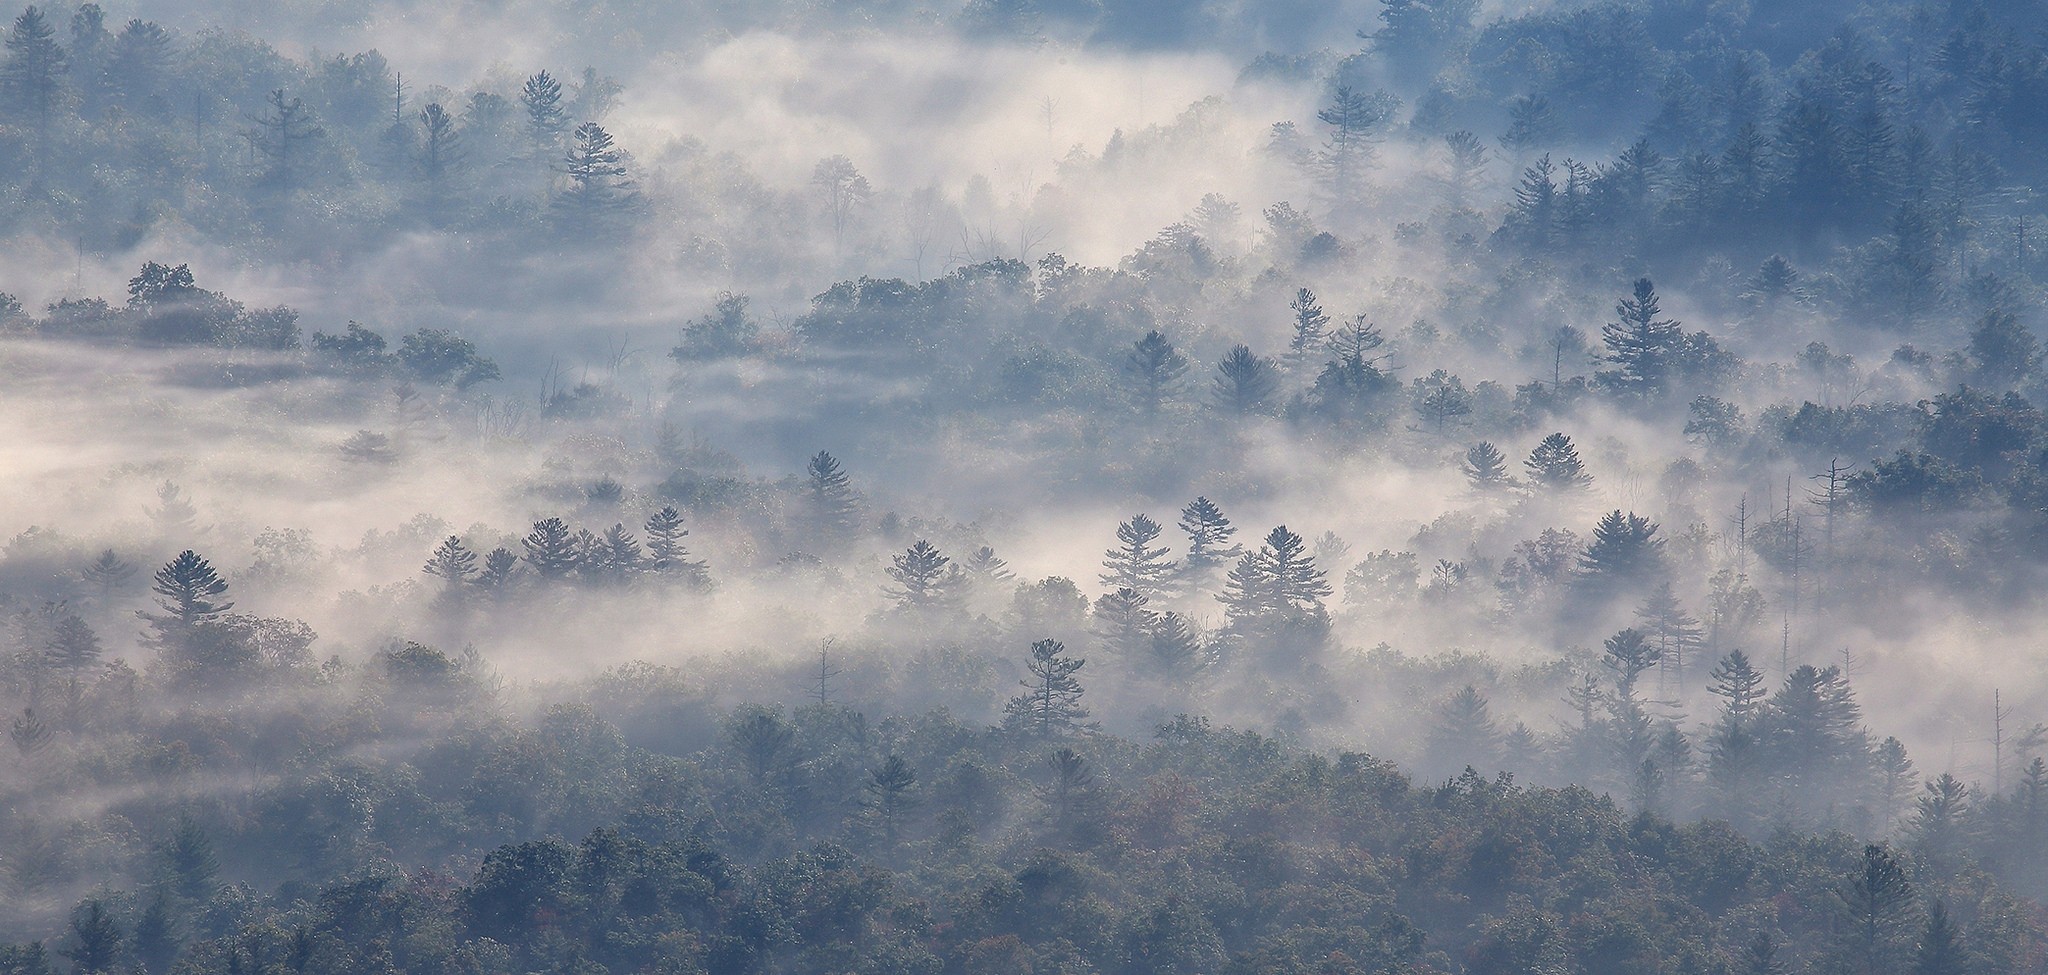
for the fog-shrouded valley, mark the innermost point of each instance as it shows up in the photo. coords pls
(1081, 486)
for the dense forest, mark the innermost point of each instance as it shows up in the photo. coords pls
(1083, 486)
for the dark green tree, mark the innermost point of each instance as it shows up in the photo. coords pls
(1554, 466)
(546, 118)
(665, 551)
(1625, 551)
(32, 76)
(1643, 347)
(1877, 907)
(1136, 563)
(1209, 544)
(188, 590)
(552, 549)
(830, 494)
(889, 796)
(924, 580)
(452, 563)
(96, 940)
(1155, 368)
(599, 187)
(1941, 949)
(1051, 707)
(1486, 468)
(1310, 322)
(1246, 382)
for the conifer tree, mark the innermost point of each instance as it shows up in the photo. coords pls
(924, 579)
(1643, 347)
(552, 549)
(32, 74)
(73, 647)
(1486, 468)
(1155, 368)
(665, 551)
(499, 566)
(1175, 649)
(1554, 466)
(108, 572)
(985, 565)
(1123, 623)
(187, 588)
(1051, 707)
(1245, 383)
(830, 494)
(1209, 544)
(452, 562)
(1310, 322)
(1675, 633)
(1136, 563)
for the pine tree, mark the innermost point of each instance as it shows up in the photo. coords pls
(1355, 120)
(1245, 383)
(552, 549)
(888, 788)
(156, 937)
(1209, 544)
(924, 579)
(174, 516)
(1175, 649)
(1123, 623)
(1310, 321)
(546, 119)
(985, 565)
(1051, 707)
(108, 573)
(29, 734)
(32, 75)
(499, 566)
(1643, 347)
(1877, 906)
(830, 494)
(1625, 551)
(665, 552)
(598, 183)
(1466, 159)
(1277, 589)
(1486, 468)
(280, 135)
(1760, 957)
(1554, 466)
(190, 864)
(452, 563)
(1675, 633)
(616, 556)
(96, 940)
(187, 588)
(1135, 563)
(73, 647)
(1941, 823)
(1464, 733)
(1155, 367)
(1941, 945)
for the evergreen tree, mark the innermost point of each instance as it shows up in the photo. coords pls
(1675, 632)
(1135, 563)
(830, 494)
(2003, 351)
(156, 937)
(1486, 468)
(1051, 706)
(889, 798)
(1351, 388)
(286, 129)
(1155, 367)
(1554, 466)
(1625, 551)
(546, 119)
(924, 579)
(499, 566)
(96, 940)
(1467, 165)
(1895, 779)
(1941, 824)
(985, 565)
(1277, 591)
(107, 573)
(1941, 945)
(187, 588)
(190, 866)
(453, 563)
(1123, 623)
(1209, 544)
(1464, 733)
(616, 556)
(552, 549)
(1175, 649)
(173, 515)
(1355, 120)
(1245, 383)
(1310, 321)
(1877, 905)
(1643, 347)
(598, 183)
(73, 647)
(665, 551)
(32, 75)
